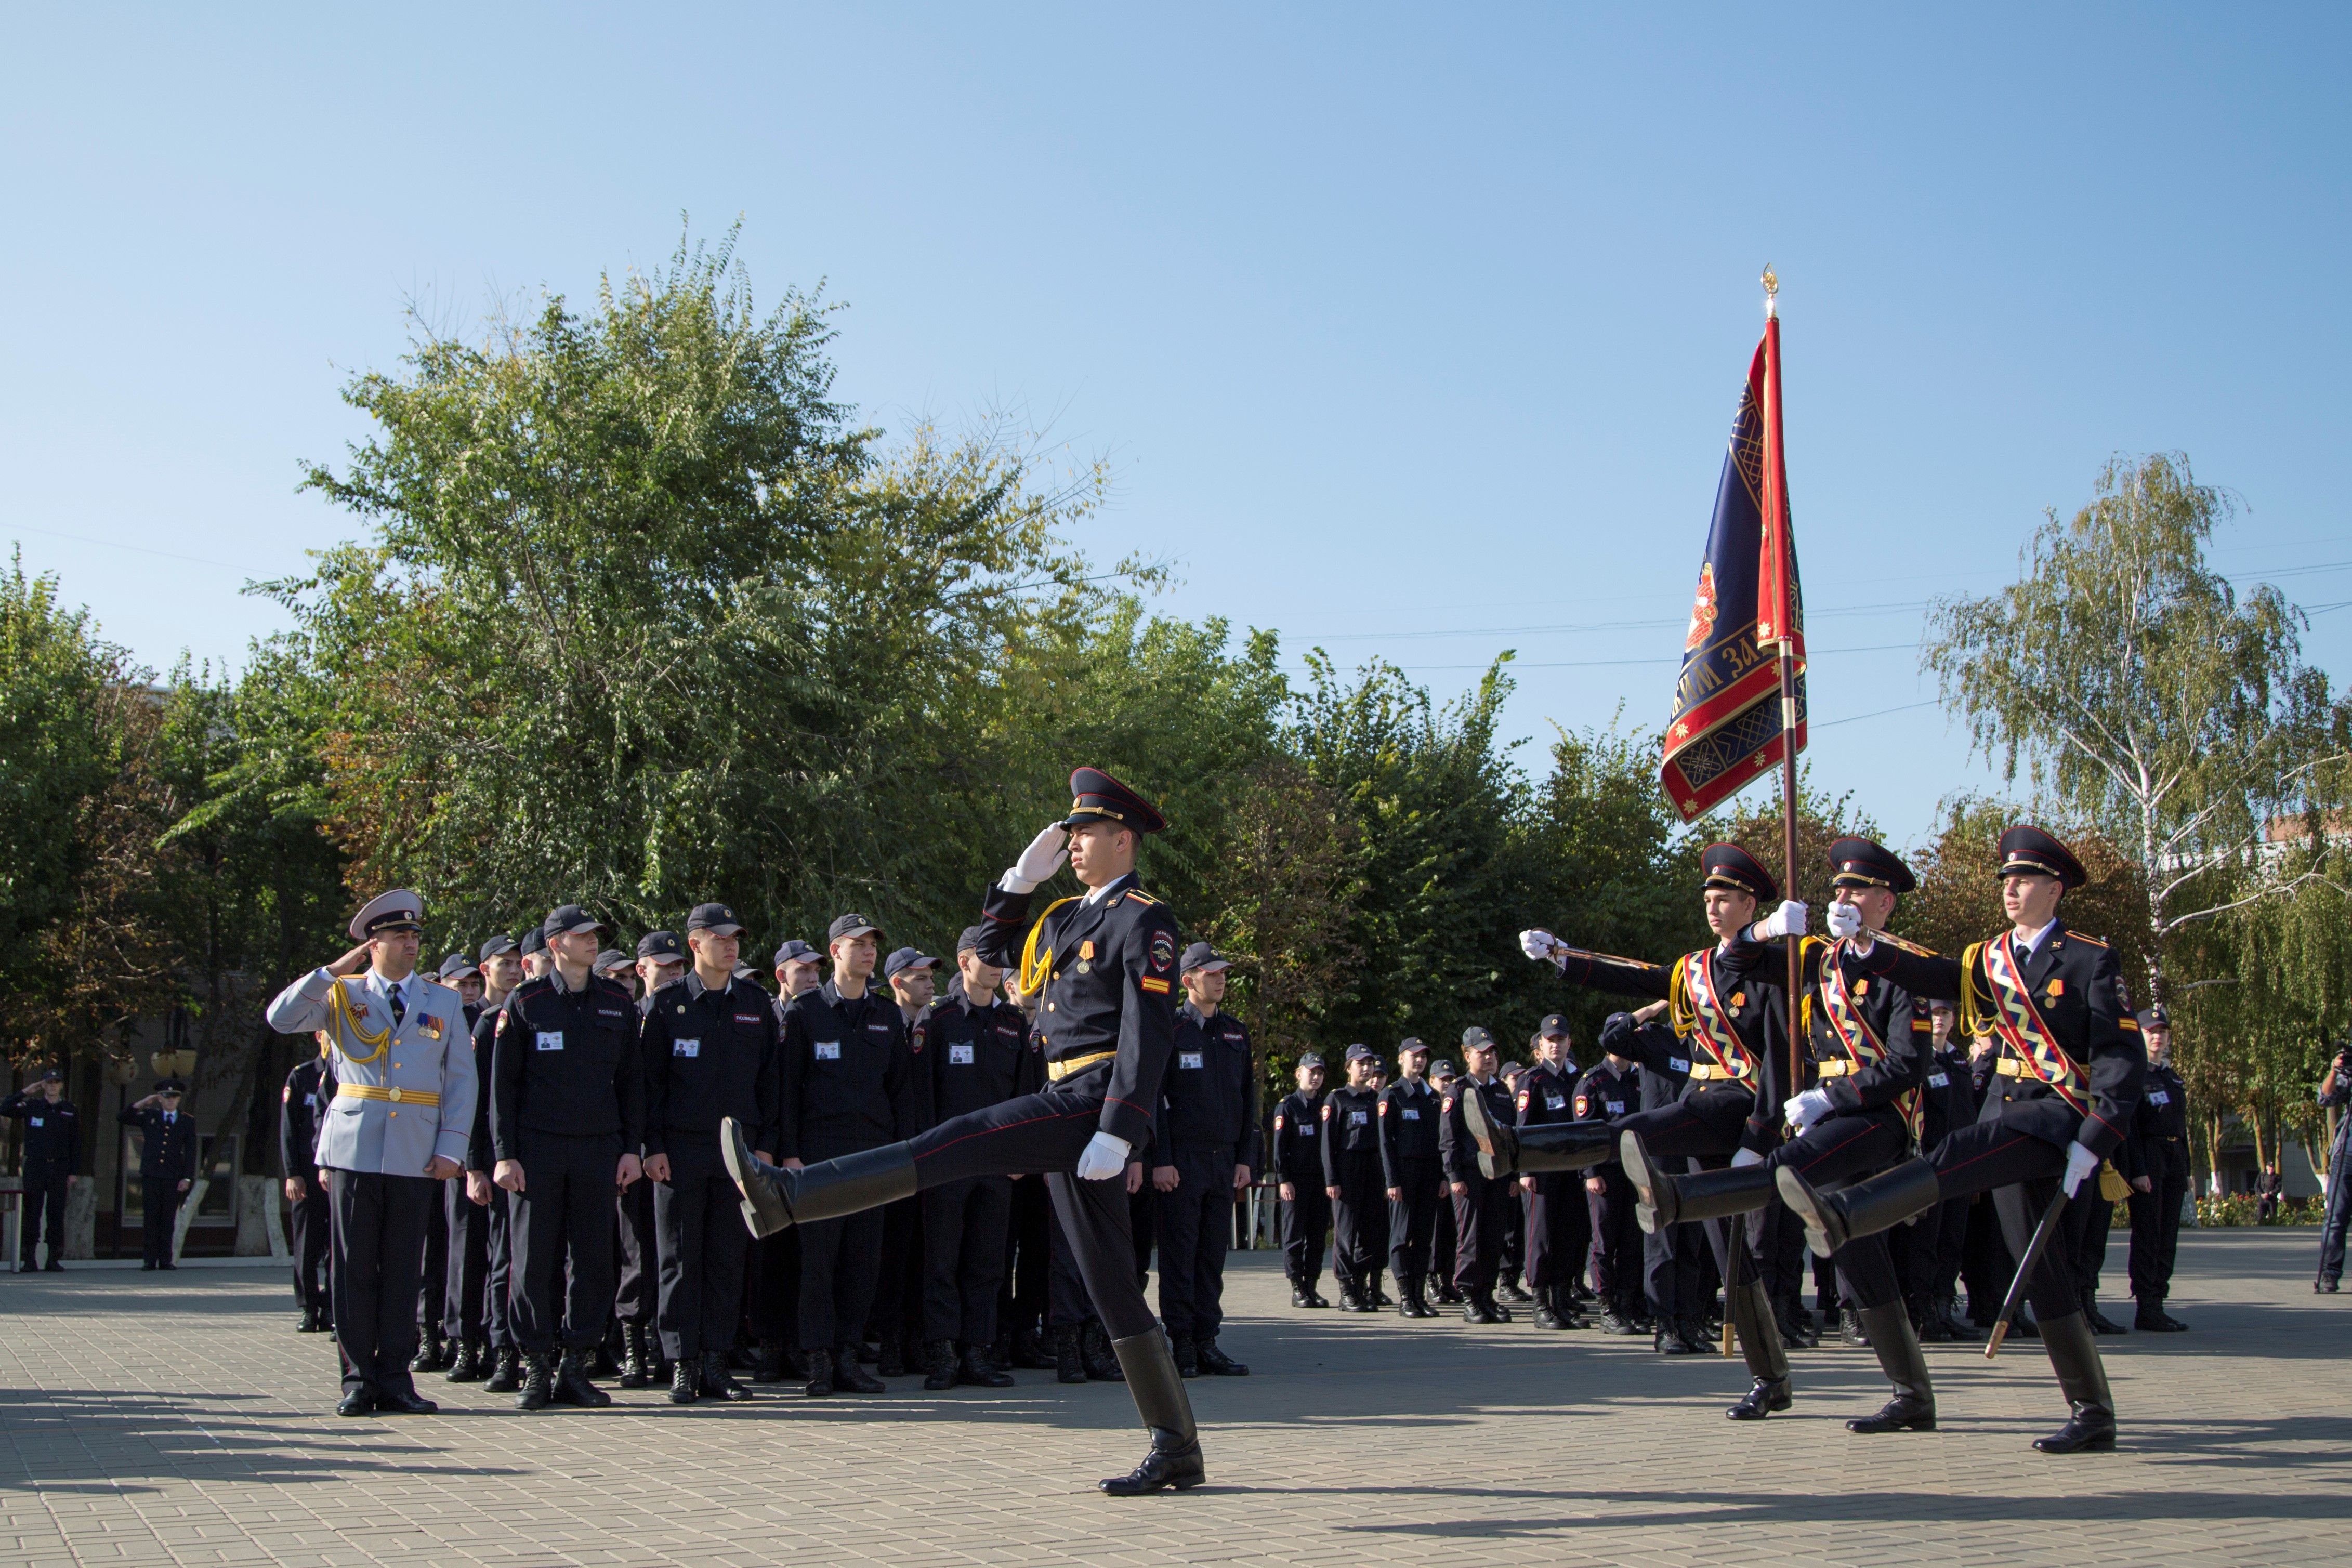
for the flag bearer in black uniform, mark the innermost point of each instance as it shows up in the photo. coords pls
(2160, 1127)
(1106, 966)
(1481, 1197)
(1559, 1220)
(52, 1144)
(975, 1047)
(709, 1048)
(1729, 1016)
(1205, 1154)
(2065, 1084)
(1353, 1182)
(1410, 1165)
(167, 1166)
(1613, 1088)
(1298, 1163)
(850, 1087)
(567, 1118)
(308, 1214)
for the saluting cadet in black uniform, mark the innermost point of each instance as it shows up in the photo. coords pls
(2161, 1132)
(1299, 1161)
(1481, 1197)
(1559, 1220)
(1205, 1154)
(52, 1145)
(850, 1086)
(167, 1166)
(976, 1046)
(1106, 966)
(1415, 1174)
(709, 1045)
(1729, 1016)
(567, 1118)
(2066, 1083)
(1353, 1180)
(1613, 1088)
(308, 1214)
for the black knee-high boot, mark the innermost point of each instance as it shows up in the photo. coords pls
(2074, 1357)
(1832, 1220)
(774, 1196)
(1759, 1342)
(1664, 1199)
(1505, 1151)
(1159, 1398)
(1913, 1408)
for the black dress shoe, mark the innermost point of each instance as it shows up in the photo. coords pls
(357, 1402)
(682, 1389)
(2090, 1427)
(977, 1369)
(1477, 1312)
(820, 1374)
(1769, 1394)
(506, 1371)
(1188, 1357)
(537, 1382)
(1300, 1296)
(939, 1366)
(1849, 1328)
(1173, 1463)
(572, 1385)
(467, 1367)
(167, 1265)
(1216, 1363)
(405, 1402)
(1510, 1290)
(1069, 1361)
(146, 1268)
(1904, 1413)
(308, 1322)
(2171, 1323)
(2100, 1323)
(1350, 1302)
(1316, 1298)
(717, 1381)
(848, 1377)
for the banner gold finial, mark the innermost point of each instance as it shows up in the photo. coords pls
(1771, 291)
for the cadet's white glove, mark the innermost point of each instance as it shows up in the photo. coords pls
(1807, 1108)
(1788, 920)
(2080, 1163)
(1104, 1157)
(1746, 1157)
(1842, 919)
(1041, 860)
(1540, 945)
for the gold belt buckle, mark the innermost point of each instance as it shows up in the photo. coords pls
(392, 1095)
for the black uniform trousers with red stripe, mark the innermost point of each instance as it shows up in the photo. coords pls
(1837, 1152)
(1994, 1154)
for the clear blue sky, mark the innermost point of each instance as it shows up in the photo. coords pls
(1408, 332)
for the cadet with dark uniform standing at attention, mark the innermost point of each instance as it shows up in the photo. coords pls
(1559, 1220)
(1298, 1163)
(1353, 1180)
(1205, 1154)
(307, 1217)
(1415, 1174)
(395, 1130)
(483, 1210)
(661, 959)
(52, 1145)
(167, 1168)
(1105, 965)
(2067, 1082)
(567, 1117)
(2160, 1127)
(1613, 1088)
(1479, 1098)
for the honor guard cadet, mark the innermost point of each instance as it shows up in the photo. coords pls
(167, 1166)
(1559, 1220)
(1415, 1178)
(567, 1117)
(976, 1046)
(395, 1128)
(1205, 1154)
(52, 1145)
(1353, 1180)
(1479, 1097)
(2160, 1136)
(710, 1050)
(1105, 964)
(307, 1217)
(2065, 1084)
(1729, 1016)
(1299, 1161)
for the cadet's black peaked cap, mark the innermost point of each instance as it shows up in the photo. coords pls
(1862, 862)
(2155, 1018)
(1097, 797)
(1408, 1045)
(905, 958)
(797, 952)
(851, 925)
(610, 959)
(970, 941)
(715, 918)
(1553, 1023)
(1311, 1059)
(533, 941)
(494, 947)
(1731, 867)
(2026, 847)
(567, 920)
(662, 946)
(1476, 1039)
(399, 910)
(1201, 956)
(1362, 1053)
(454, 967)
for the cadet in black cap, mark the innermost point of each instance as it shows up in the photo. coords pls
(1105, 968)
(850, 1085)
(1353, 1181)
(167, 1166)
(974, 1048)
(52, 1144)
(1306, 1210)
(2067, 1082)
(1730, 1020)
(1205, 1154)
(1610, 1088)
(1481, 1197)
(661, 960)
(536, 960)
(1410, 1166)
(711, 1050)
(1558, 1221)
(2161, 1182)
(567, 1118)
(478, 1313)
(308, 1218)
(894, 1322)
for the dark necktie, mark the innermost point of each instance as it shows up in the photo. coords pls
(399, 1008)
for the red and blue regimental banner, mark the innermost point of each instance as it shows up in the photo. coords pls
(1728, 727)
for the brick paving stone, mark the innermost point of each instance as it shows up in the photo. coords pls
(184, 1422)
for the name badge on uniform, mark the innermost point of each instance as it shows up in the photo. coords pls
(1555, 1102)
(1358, 1119)
(1188, 1059)
(2155, 1097)
(1412, 1113)
(828, 1050)
(1306, 1129)
(686, 1047)
(1614, 1107)
(1678, 1064)
(311, 1100)
(960, 1056)
(1939, 1081)
(37, 1122)
(551, 1039)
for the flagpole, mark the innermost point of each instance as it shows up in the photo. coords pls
(1776, 514)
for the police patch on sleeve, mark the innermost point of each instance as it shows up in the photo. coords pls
(1163, 951)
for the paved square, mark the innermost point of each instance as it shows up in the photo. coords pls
(183, 1421)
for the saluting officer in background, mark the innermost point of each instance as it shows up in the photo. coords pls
(1410, 1166)
(395, 1127)
(307, 1217)
(167, 1166)
(1306, 1212)
(52, 1145)
(1205, 1154)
